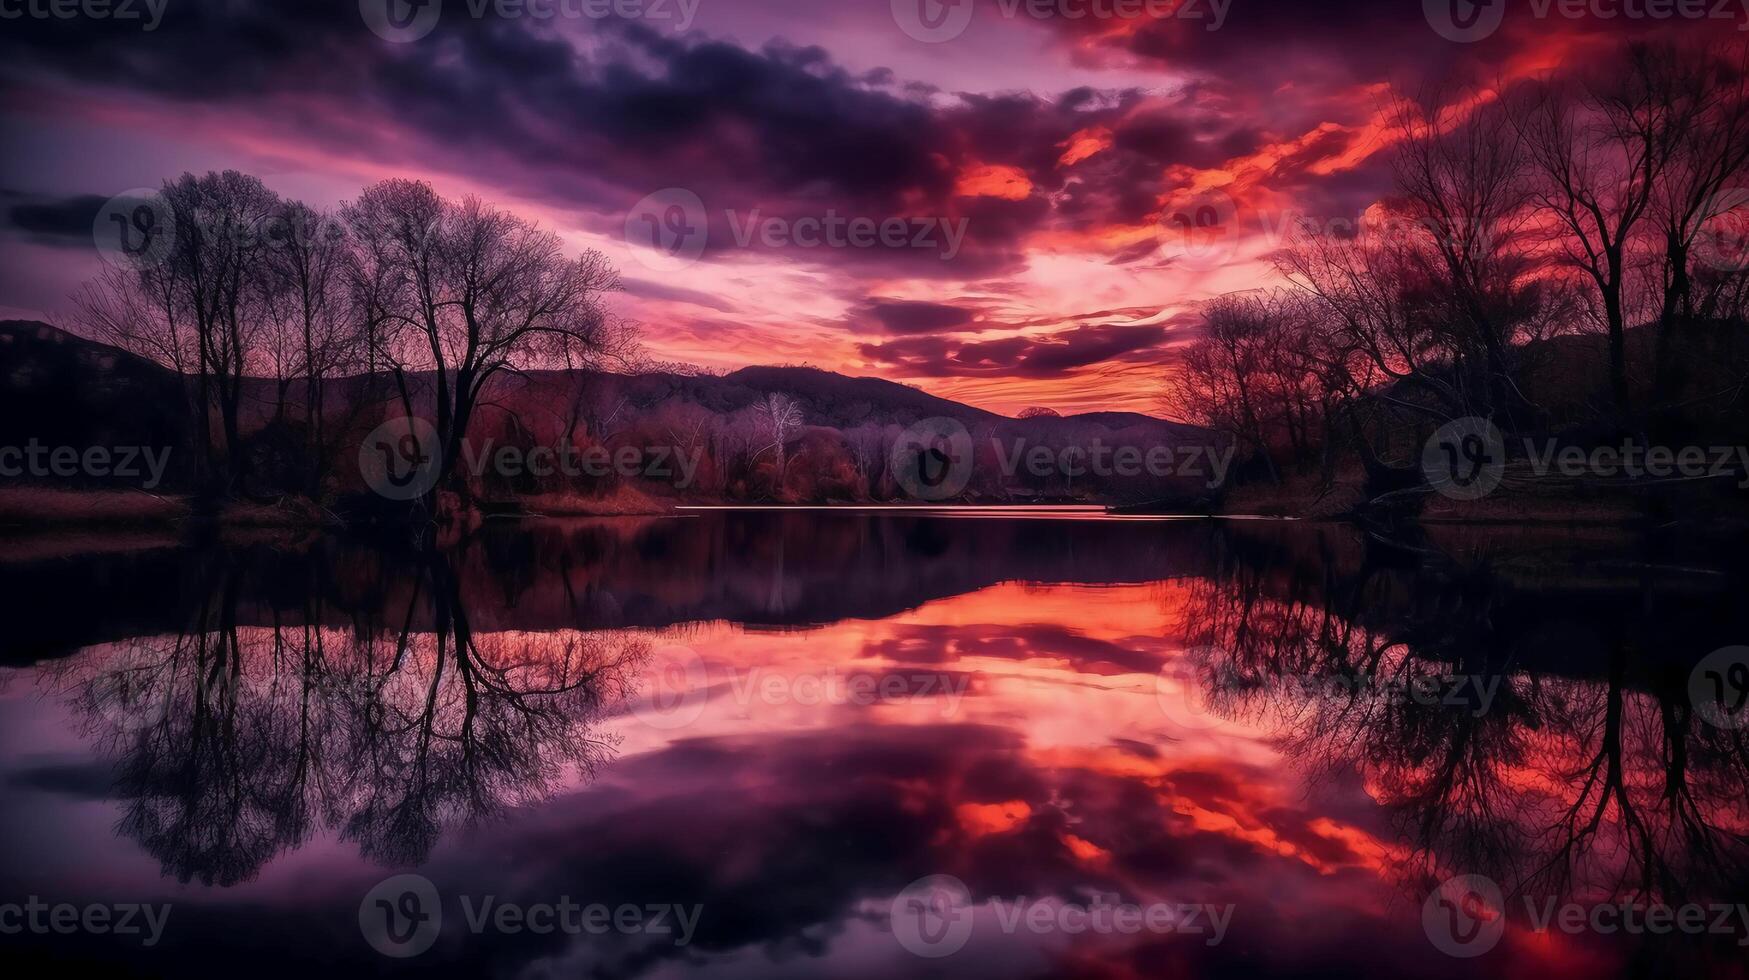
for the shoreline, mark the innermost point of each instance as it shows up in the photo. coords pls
(28, 512)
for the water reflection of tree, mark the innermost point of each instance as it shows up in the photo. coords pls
(234, 743)
(1593, 785)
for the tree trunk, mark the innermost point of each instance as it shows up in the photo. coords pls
(1618, 353)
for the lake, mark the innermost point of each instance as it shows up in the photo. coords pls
(877, 744)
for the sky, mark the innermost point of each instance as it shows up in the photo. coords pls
(1005, 202)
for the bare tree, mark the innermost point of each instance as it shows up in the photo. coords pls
(1601, 146)
(1269, 369)
(870, 443)
(1461, 171)
(216, 264)
(314, 332)
(1709, 88)
(463, 293)
(1379, 289)
(1222, 367)
(199, 310)
(140, 310)
(778, 415)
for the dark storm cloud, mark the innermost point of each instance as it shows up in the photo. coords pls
(595, 125)
(82, 781)
(1263, 45)
(200, 49)
(489, 88)
(1366, 35)
(54, 221)
(1025, 357)
(910, 317)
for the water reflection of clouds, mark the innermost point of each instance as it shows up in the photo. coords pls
(795, 823)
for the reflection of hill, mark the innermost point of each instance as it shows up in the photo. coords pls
(1556, 603)
(1552, 600)
(767, 569)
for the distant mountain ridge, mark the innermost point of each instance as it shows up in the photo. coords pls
(58, 387)
(33, 349)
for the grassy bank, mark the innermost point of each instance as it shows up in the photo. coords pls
(1307, 498)
(37, 506)
(32, 508)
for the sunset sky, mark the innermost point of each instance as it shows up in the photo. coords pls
(1067, 150)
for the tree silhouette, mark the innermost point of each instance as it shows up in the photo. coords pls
(234, 744)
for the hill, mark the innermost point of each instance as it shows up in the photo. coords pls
(61, 389)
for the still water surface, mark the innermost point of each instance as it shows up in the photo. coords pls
(875, 745)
